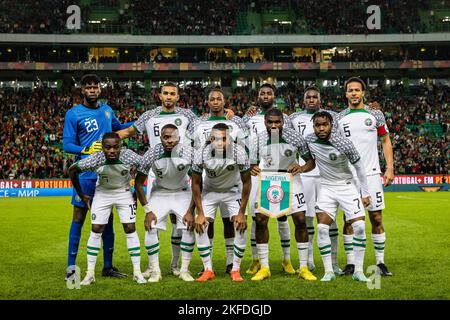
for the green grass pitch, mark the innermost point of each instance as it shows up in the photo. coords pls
(34, 235)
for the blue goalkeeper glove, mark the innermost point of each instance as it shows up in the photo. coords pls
(95, 147)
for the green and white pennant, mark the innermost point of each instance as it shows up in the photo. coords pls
(274, 194)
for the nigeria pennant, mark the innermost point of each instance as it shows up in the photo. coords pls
(274, 194)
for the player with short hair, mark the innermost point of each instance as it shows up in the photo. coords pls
(276, 149)
(84, 126)
(301, 121)
(151, 122)
(170, 161)
(113, 167)
(199, 134)
(227, 166)
(255, 124)
(364, 126)
(332, 153)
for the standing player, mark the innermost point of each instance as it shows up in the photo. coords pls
(333, 153)
(199, 135)
(276, 149)
(113, 167)
(363, 126)
(170, 161)
(301, 121)
(152, 122)
(226, 165)
(255, 125)
(84, 126)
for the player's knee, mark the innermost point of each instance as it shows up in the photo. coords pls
(129, 227)
(98, 228)
(261, 220)
(79, 214)
(376, 220)
(359, 228)
(348, 228)
(299, 220)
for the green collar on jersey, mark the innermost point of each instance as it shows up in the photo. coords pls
(310, 112)
(113, 161)
(166, 154)
(320, 141)
(165, 112)
(212, 118)
(358, 110)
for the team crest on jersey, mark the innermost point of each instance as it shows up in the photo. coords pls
(178, 122)
(230, 167)
(333, 156)
(124, 172)
(181, 167)
(275, 194)
(77, 198)
(93, 217)
(288, 153)
(368, 122)
(107, 114)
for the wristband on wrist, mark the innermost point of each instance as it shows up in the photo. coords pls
(147, 208)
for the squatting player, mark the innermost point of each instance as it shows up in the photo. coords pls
(199, 134)
(113, 167)
(333, 154)
(301, 121)
(227, 166)
(363, 126)
(170, 162)
(276, 149)
(255, 124)
(84, 126)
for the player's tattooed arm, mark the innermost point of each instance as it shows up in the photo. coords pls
(74, 171)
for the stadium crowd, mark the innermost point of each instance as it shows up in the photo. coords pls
(202, 18)
(32, 123)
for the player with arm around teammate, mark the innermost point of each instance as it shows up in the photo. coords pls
(113, 167)
(170, 161)
(333, 154)
(84, 126)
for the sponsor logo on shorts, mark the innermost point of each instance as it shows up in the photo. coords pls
(275, 194)
(77, 198)
(368, 122)
(93, 216)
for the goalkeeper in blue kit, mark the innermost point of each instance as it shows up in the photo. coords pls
(84, 127)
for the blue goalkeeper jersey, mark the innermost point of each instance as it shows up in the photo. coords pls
(83, 126)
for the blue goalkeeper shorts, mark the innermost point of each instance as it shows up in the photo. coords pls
(88, 188)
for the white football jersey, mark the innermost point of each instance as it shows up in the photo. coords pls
(222, 173)
(302, 123)
(199, 133)
(363, 127)
(278, 154)
(170, 169)
(153, 121)
(255, 124)
(333, 158)
(111, 174)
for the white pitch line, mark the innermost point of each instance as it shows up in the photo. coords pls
(412, 198)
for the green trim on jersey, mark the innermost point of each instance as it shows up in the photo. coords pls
(165, 154)
(325, 142)
(355, 160)
(215, 118)
(163, 113)
(357, 110)
(108, 162)
(311, 112)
